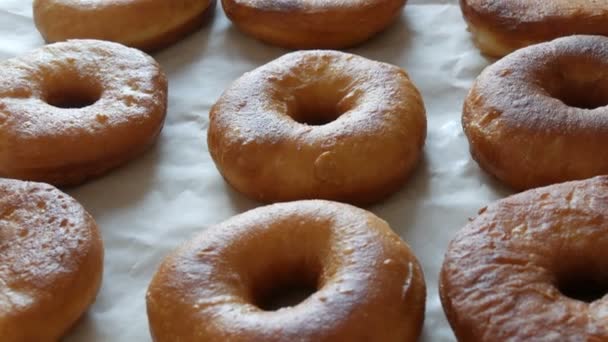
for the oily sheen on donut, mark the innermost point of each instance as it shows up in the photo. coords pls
(366, 283)
(532, 267)
(51, 261)
(74, 110)
(316, 24)
(502, 26)
(538, 116)
(143, 24)
(318, 124)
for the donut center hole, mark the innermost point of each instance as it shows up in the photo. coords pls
(318, 104)
(582, 287)
(285, 287)
(71, 91)
(73, 98)
(583, 98)
(583, 88)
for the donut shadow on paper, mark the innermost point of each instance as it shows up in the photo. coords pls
(243, 46)
(405, 201)
(500, 189)
(188, 49)
(389, 45)
(120, 188)
(85, 329)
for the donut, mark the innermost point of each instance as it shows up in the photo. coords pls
(144, 24)
(532, 267)
(500, 27)
(74, 110)
(51, 261)
(538, 116)
(363, 282)
(318, 24)
(318, 125)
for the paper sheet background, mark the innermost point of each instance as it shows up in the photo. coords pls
(156, 202)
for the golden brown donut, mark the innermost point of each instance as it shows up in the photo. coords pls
(318, 124)
(366, 284)
(51, 261)
(143, 24)
(526, 116)
(74, 110)
(532, 267)
(501, 26)
(313, 24)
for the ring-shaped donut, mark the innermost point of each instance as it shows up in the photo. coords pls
(71, 111)
(539, 115)
(366, 283)
(500, 27)
(144, 24)
(318, 124)
(318, 24)
(532, 267)
(51, 261)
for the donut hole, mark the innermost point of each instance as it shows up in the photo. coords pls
(319, 104)
(285, 263)
(286, 286)
(582, 284)
(73, 98)
(580, 86)
(71, 91)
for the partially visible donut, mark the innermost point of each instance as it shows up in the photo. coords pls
(539, 115)
(51, 261)
(532, 267)
(318, 24)
(502, 26)
(143, 24)
(318, 124)
(366, 283)
(74, 110)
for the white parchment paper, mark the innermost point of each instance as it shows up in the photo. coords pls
(156, 202)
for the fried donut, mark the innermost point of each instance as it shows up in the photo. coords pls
(144, 24)
(499, 27)
(51, 261)
(318, 24)
(365, 282)
(538, 116)
(318, 124)
(74, 110)
(532, 267)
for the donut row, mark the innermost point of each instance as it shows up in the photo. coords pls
(319, 125)
(497, 27)
(529, 267)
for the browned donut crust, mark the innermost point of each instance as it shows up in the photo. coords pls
(525, 116)
(144, 24)
(317, 24)
(46, 136)
(51, 261)
(501, 26)
(272, 136)
(370, 286)
(504, 273)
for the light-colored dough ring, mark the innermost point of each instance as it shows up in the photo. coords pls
(502, 26)
(525, 116)
(313, 24)
(144, 24)
(51, 261)
(260, 140)
(369, 285)
(532, 267)
(66, 146)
